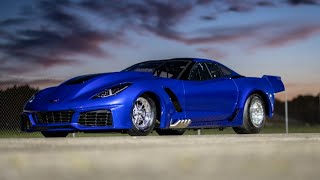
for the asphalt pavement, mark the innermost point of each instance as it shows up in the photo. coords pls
(258, 157)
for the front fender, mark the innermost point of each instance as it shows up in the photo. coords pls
(157, 89)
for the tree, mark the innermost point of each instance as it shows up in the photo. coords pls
(305, 109)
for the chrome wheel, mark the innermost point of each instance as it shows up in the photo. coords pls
(254, 115)
(142, 114)
(256, 112)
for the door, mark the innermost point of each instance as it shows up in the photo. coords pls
(209, 96)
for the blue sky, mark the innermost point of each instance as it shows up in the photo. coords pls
(45, 42)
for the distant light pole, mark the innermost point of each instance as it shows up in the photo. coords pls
(286, 113)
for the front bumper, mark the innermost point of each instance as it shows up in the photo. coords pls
(107, 118)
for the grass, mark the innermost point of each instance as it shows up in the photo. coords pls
(265, 130)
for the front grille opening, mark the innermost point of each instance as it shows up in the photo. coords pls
(54, 117)
(96, 118)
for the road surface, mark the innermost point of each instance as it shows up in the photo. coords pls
(258, 157)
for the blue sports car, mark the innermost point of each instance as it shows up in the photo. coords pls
(168, 96)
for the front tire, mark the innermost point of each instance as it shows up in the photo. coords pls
(49, 134)
(253, 116)
(143, 116)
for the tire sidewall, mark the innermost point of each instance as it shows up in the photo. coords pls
(247, 118)
(136, 132)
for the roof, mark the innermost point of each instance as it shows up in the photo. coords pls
(187, 58)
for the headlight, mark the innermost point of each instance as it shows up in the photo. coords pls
(112, 91)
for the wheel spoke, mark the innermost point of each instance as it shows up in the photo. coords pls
(142, 114)
(256, 112)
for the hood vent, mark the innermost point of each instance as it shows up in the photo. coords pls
(80, 79)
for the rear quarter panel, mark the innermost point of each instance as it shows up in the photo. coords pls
(250, 85)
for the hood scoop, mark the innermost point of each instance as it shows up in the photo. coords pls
(81, 79)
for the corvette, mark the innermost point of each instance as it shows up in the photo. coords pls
(166, 96)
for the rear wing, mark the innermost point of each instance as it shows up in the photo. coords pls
(275, 82)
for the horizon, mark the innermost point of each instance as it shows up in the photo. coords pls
(43, 43)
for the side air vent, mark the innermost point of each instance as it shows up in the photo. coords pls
(234, 114)
(180, 124)
(174, 100)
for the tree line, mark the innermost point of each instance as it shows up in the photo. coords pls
(305, 109)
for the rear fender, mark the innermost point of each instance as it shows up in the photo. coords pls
(275, 82)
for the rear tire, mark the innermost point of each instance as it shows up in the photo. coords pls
(143, 116)
(48, 134)
(253, 116)
(168, 132)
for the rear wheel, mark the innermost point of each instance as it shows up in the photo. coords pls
(253, 116)
(167, 132)
(143, 116)
(48, 134)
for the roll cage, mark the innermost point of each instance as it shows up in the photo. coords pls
(183, 69)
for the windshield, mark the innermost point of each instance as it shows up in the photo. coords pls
(166, 69)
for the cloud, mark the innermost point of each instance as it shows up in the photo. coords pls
(290, 35)
(263, 35)
(240, 7)
(298, 2)
(49, 48)
(59, 30)
(212, 53)
(13, 21)
(246, 6)
(203, 2)
(208, 18)
(19, 81)
(266, 4)
(294, 89)
(157, 17)
(45, 82)
(56, 36)
(213, 35)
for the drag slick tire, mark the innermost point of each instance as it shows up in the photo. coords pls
(254, 116)
(143, 116)
(48, 134)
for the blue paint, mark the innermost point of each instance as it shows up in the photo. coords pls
(215, 102)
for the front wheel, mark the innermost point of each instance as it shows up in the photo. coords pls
(143, 116)
(253, 116)
(48, 134)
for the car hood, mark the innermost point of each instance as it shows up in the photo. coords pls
(88, 85)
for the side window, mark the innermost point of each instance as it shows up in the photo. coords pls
(199, 72)
(170, 69)
(225, 71)
(214, 70)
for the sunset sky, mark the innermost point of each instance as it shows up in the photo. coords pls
(45, 42)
